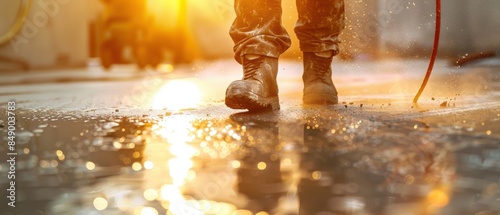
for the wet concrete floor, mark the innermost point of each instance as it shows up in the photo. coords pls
(159, 145)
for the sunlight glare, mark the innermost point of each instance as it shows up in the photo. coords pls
(438, 198)
(176, 95)
(149, 211)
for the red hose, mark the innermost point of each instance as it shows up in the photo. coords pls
(434, 51)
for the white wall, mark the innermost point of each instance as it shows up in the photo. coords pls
(467, 26)
(55, 32)
(387, 26)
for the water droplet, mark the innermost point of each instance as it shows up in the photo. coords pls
(150, 194)
(100, 203)
(235, 164)
(316, 175)
(262, 165)
(148, 165)
(90, 165)
(136, 166)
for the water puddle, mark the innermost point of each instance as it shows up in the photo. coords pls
(333, 162)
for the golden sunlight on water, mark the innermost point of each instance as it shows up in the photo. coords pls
(177, 133)
(172, 158)
(176, 95)
(172, 169)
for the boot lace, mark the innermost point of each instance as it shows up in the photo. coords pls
(321, 66)
(251, 67)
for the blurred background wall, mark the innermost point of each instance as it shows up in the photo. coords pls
(375, 28)
(467, 27)
(55, 32)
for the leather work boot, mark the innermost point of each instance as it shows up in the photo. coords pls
(258, 90)
(317, 77)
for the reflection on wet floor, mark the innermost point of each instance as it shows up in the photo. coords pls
(326, 162)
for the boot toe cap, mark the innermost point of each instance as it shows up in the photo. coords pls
(320, 93)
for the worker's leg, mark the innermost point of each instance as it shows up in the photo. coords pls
(257, 29)
(319, 25)
(259, 40)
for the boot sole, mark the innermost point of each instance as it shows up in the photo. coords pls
(250, 101)
(320, 99)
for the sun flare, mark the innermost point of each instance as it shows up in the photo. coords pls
(176, 95)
